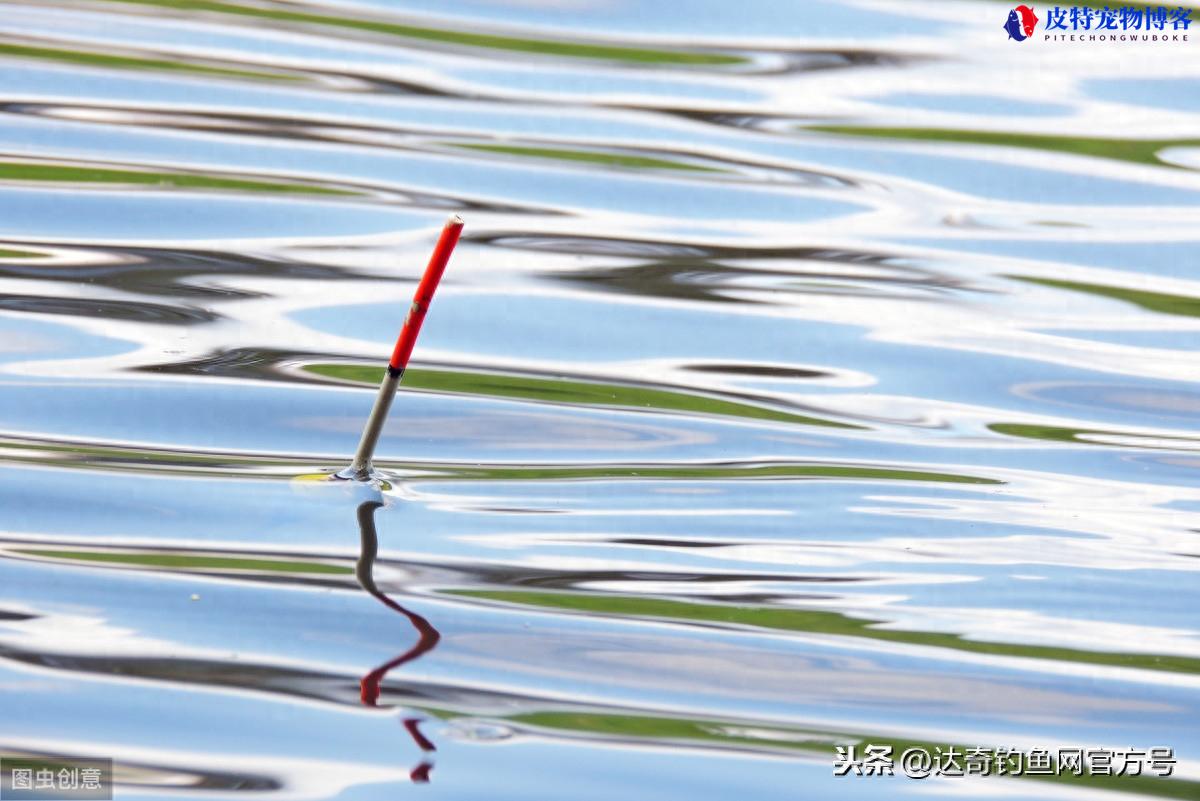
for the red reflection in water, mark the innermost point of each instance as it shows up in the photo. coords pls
(369, 685)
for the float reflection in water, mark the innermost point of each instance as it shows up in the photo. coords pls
(427, 635)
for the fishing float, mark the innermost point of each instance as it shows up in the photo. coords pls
(361, 468)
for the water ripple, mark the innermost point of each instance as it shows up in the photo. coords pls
(808, 375)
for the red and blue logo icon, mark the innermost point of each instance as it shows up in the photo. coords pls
(1021, 22)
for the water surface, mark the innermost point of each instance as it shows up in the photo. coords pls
(808, 375)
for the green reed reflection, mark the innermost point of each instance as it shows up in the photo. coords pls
(588, 157)
(184, 463)
(187, 561)
(563, 391)
(548, 47)
(818, 622)
(821, 744)
(33, 171)
(90, 59)
(1160, 302)
(1079, 436)
(705, 472)
(679, 729)
(1137, 151)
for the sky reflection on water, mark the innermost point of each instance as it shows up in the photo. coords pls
(808, 375)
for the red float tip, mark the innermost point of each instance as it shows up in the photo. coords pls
(424, 295)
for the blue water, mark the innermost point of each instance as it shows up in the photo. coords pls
(808, 375)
